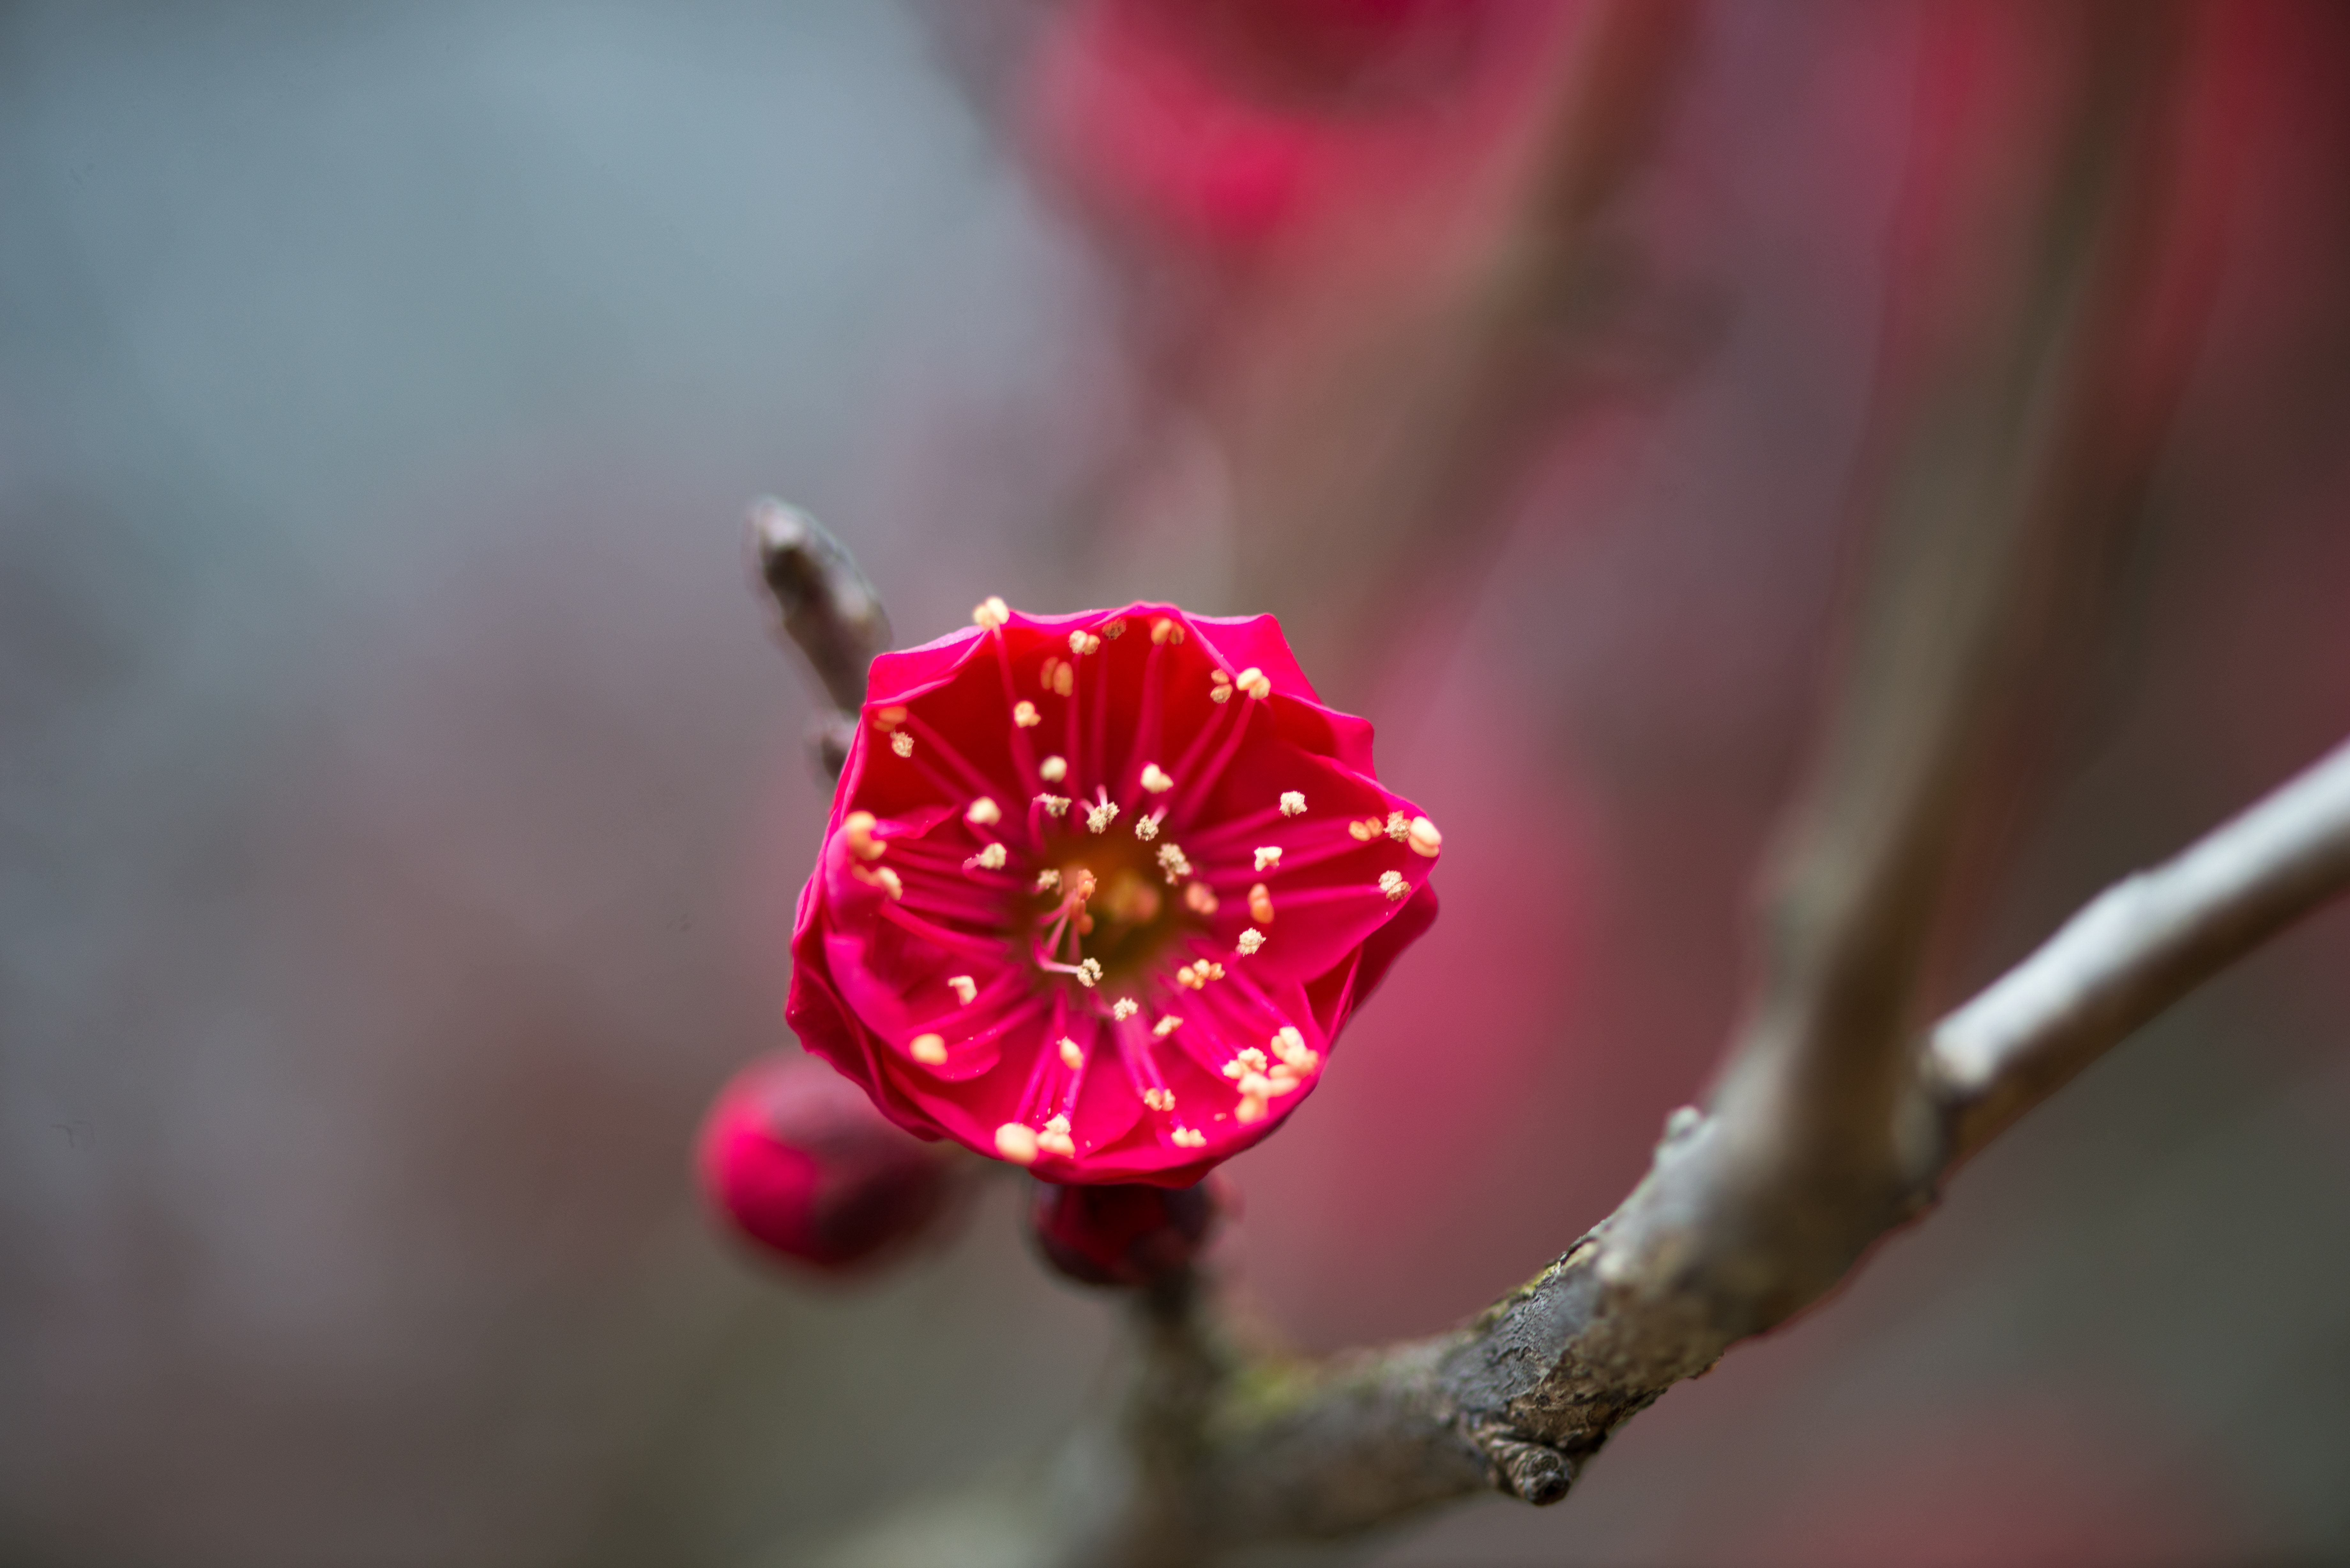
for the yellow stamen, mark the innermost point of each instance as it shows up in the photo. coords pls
(983, 813)
(1024, 714)
(1016, 1143)
(1155, 779)
(1052, 769)
(1249, 941)
(1261, 904)
(858, 829)
(966, 990)
(987, 615)
(929, 1050)
(902, 742)
(1293, 803)
(1423, 837)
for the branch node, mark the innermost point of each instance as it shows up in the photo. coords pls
(1528, 1470)
(829, 608)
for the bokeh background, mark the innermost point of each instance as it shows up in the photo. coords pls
(401, 802)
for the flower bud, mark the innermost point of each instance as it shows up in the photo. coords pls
(795, 1159)
(1122, 1234)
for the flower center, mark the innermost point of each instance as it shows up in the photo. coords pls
(1112, 903)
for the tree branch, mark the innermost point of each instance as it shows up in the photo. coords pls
(2144, 943)
(829, 612)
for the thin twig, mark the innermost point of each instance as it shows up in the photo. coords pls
(828, 611)
(2142, 944)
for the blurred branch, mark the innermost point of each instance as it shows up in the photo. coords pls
(1396, 462)
(2142, 944)
(829, 612)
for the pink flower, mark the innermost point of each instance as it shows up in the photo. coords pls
(1100, 891)
(797, 1162)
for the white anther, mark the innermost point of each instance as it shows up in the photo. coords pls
(882, 877)
(1165, 630)
(983, 813)
(1171, 861)
(902, 742)
(857, 828)
(1261, 904)
(1251, 1059)
(991, 858)
(1159, 1099)
(1249, 941)
(1284, 1080)
(1189, 1137)
(1155, 779)
(1219, 686)
(929, 1050)
(966, 990)
(1016, 1143)
(1089, 973)
(1268, 855)
(1055, 1138)
(1250, 1110)
(1099, 815)
(1052, 769)
(1065, 678)
(1054, 805)
(1084, 642)
(987, 615)
(1048, 880)
(1392, 884)
(1071, 1057)
(1200, 898)
(1254, 681)
(1114, 628)
(1146, 828)
(1293, 803)
(1166, 1026)
(1024, 714)
(1255, 1086)
(888, 719)
(1364, 830)
(1398, 828)
(1124, 1007)
(1423, 837)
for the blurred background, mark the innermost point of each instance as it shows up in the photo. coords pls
(401, 804)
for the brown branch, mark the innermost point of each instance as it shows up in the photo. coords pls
(829, 612)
